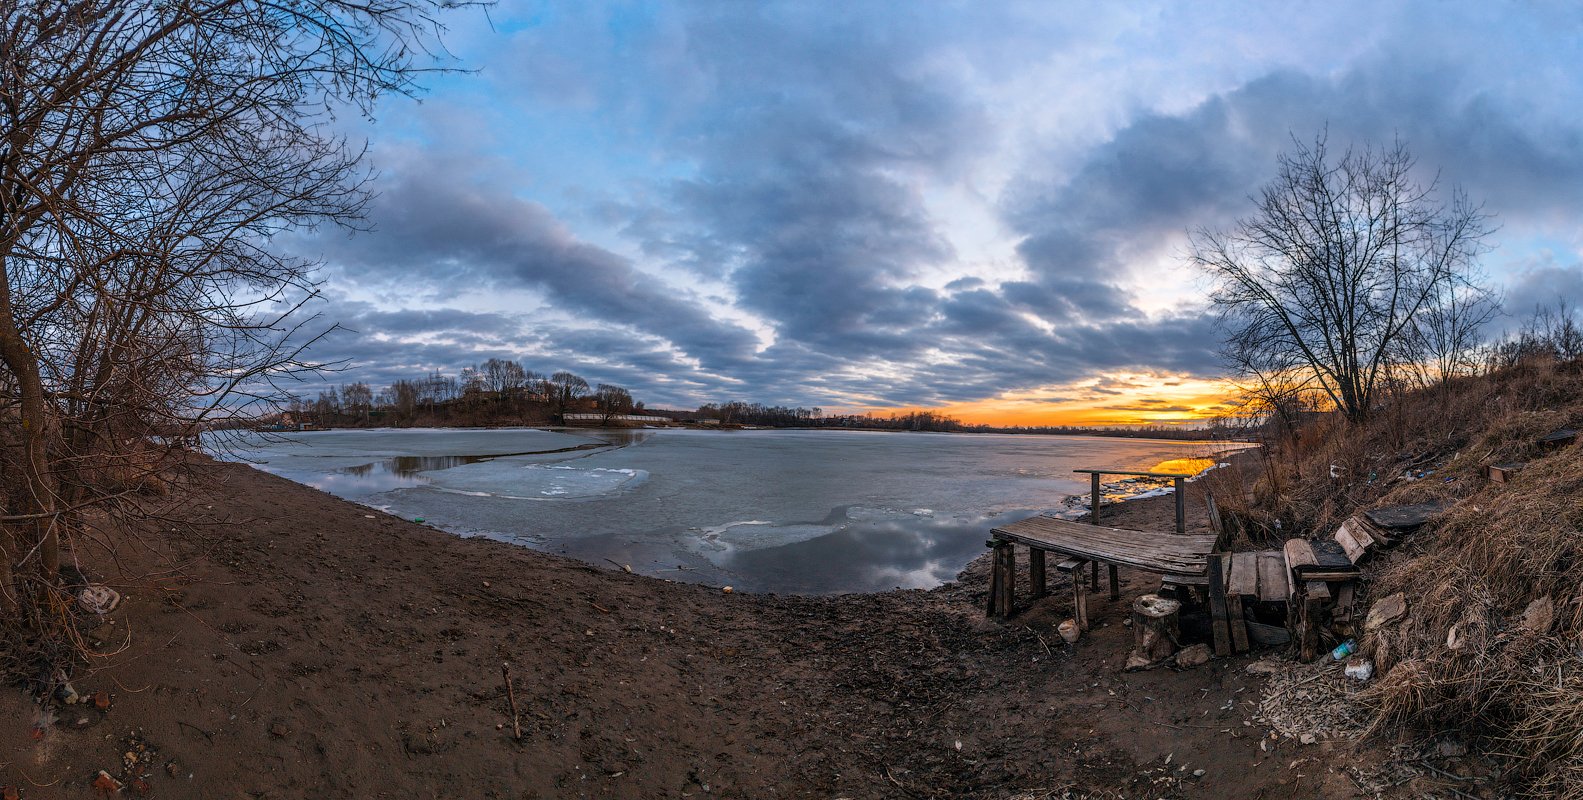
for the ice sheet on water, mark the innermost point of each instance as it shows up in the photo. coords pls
(730, 537)
(516, 480)
(884, 514)
(716, 541)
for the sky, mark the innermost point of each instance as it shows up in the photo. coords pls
(976, 207)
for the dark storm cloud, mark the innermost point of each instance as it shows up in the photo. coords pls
(809, 177)
(447, 235)
(1543, 285)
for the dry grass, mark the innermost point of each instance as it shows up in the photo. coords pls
(1462, 660)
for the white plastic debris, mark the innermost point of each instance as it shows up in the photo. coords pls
(1360, 668)
(98, 599)
(1069, 631)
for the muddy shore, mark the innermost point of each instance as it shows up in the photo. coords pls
(284, 643)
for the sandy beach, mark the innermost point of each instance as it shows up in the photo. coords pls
(283, 643)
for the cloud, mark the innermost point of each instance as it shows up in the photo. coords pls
(835, 207)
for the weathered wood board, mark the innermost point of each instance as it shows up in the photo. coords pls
(1163, 553)
(1274, 583)
(1404, 518)
(1356, 550)
(1218, 612)
(1244, 575)
(1558, 438)
(1237, 623)
(1501, 473)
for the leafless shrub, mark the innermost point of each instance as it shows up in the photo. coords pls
(149, 152)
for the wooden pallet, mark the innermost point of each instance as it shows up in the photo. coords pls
(1234, 580)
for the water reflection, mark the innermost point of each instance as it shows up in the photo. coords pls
(410, 466)
(399, 472)
(904, 552)
(1183, 466)
(620, 437)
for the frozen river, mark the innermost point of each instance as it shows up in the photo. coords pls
(779, 511)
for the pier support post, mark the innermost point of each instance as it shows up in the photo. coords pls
(1002, 578)
(1181, 506)
(1093, 505)
(1036, 573)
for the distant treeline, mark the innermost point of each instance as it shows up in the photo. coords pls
(503, 392)
(496, 392)
(755, 414)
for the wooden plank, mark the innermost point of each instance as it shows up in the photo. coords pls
(1366, 535)
(1274, 586)
(1298, 554)
(1138, 474)
(1559, 438)
(1069, 565)
(1217, 608)
(1330, 563)
(1115, 585)
(1405, 518)
(1309, 610)
(1355, 551)
(1244, 578)
(1344, 596)
(1162, 553)
(1268, 635)
(1036, 573)
(1318, 590)
(1361, 527)
(1237, 623)
(1501, 473)
(1329, 555)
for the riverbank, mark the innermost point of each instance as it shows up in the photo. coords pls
(284, 642)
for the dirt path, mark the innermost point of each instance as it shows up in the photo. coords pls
(311, 647)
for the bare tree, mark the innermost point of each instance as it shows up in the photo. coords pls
(613, 401)
(1340, 262)
(502, 376)
(564, 388)
(358, 399)
(1446, 339)
(148, 154)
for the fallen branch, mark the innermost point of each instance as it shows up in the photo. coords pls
(511, 697)
(1041, 640)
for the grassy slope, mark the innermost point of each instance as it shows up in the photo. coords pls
(1504, 548)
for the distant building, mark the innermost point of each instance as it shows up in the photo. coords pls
(600, 419)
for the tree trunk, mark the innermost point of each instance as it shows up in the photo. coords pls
(10, 604)
(37, 489)
(1155, 630)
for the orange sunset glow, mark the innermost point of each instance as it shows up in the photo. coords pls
(1117, 399)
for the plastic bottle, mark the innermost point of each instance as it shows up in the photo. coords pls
(1344, 649)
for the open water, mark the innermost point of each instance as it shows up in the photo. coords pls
(812, 512)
